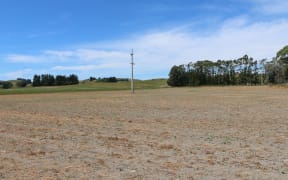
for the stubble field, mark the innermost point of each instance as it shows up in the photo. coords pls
(172, 133)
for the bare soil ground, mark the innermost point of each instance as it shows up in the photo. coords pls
(185, 133)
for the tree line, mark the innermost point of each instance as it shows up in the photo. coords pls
(241, 71)
(51, 80)
(111, 79)
(105, 79)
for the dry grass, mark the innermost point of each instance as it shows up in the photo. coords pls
(186, 133)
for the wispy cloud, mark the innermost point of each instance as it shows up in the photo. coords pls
(271, 7)
(59, 55)
(90, 54)
(89, 67)
(85, 54)
(19, 74)
(20, 58)
(234, 39)
(157, 52)
(41, 34)
(75, 68)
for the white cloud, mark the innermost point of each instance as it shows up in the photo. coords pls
(75, 68)
(19, 74)
(59, 54)
(157, 52)
(92, 54)
(235, 38)
(89, 67)
(19, 58)
(84, 54)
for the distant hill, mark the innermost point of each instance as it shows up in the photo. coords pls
(84, 86)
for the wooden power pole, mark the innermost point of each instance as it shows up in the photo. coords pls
(132, 72)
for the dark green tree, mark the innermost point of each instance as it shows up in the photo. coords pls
(72, 79)
(275, 72)
(92, 78)
(60, 80)
(36, 80)
(47, 80)
(282, 58)
(282, 55)
(7, 85)
(243, 71)
(177, 76)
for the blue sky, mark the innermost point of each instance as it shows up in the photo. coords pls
(95, 37)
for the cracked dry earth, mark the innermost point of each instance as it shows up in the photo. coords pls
(185, 133)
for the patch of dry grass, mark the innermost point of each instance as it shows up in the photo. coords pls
(185, 133)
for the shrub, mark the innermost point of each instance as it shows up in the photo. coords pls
(107, 79)
(92, 79)
(21, 83)
(28, 81)
(7, 85)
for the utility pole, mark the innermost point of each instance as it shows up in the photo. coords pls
(132, 72)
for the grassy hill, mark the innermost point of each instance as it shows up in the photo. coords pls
(88, 86)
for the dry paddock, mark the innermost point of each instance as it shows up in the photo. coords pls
(173, 133)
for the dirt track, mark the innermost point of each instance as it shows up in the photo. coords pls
(187, 133)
